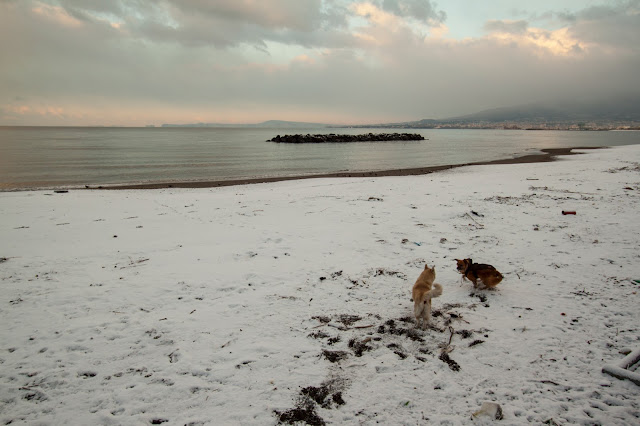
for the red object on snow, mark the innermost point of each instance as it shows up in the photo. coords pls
(568, 212)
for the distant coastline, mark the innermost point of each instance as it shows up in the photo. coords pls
(609, 113)
(593, 126)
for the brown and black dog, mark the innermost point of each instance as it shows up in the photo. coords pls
(487, 274)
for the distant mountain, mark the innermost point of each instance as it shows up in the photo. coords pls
(619, 109)
(278, 124)
(605, 113)
(270, 124)
(519, 113)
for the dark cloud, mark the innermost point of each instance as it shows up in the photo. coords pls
(568, 17)
(220, 23)
(422, 10)
(81, 8)
(511, 27)
(616, 27)
(603, 12)
(275, 14)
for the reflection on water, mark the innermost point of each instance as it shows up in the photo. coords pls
(53, 157)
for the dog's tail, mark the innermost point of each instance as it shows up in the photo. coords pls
(436, 291)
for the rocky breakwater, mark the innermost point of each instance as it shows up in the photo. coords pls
(332, 137)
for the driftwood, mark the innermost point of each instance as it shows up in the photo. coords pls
(621, 370)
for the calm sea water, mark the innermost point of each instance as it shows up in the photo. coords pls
(50, 157)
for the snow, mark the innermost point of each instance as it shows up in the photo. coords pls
(227, 305)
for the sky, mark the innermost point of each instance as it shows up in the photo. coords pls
(149, 62)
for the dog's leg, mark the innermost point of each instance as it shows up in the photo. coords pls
(427, 314)
(417, 312)
(482, 286)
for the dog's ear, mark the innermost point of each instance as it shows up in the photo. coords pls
(426, 266)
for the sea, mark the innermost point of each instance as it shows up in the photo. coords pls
(75, 157)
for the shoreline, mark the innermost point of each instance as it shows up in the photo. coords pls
(549, 154)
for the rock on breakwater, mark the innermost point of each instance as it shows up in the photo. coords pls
(332, 137)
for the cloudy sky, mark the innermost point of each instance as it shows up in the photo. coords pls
(138, 62)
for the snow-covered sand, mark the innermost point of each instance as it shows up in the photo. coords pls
(250, 304)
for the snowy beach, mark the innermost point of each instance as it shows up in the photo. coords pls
(263, 303)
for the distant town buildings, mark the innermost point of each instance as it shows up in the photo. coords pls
(520, 125)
